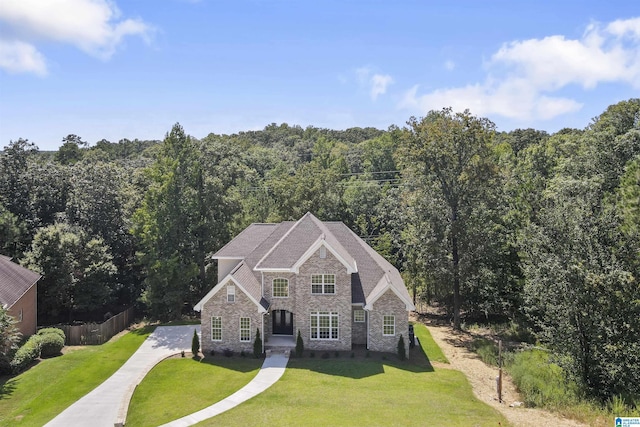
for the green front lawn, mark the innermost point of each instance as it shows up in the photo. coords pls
(36, 396)
(373, 390)
(178, 387)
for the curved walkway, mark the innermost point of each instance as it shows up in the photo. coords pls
(107, 404)
(271, 371)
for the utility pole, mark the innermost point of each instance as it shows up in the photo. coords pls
(499, 371)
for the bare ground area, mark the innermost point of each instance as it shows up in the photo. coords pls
(482, 378)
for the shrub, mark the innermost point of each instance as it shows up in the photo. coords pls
(402, 351)
(26, 354)
(541, 383)
(325, 355)
(486, 349)
(51, 344)
(195, 344)
(257, 345)
(212, 352)
(312, 354)
(337, 354)
(299, 345)
(227, 352)
(56, 331)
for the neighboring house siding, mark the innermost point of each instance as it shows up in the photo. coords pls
(388, 305)
(339, 302)
(27, 305)
(230, 312)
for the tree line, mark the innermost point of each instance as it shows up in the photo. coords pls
(542, 229)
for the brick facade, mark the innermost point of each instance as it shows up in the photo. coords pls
(301, 302)
(230, 312)
(388, 304)
(26, 309)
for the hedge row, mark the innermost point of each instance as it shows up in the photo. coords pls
(47, 342)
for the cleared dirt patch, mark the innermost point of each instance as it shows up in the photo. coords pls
(455, 346)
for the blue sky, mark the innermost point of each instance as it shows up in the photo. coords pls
(131, 69)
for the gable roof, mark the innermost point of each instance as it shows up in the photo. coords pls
(243, 277)
(299, 242)
(287, 245)
(15, 281)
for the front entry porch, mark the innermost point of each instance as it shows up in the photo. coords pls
(280, 343)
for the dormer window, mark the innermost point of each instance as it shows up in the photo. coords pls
(231, 293)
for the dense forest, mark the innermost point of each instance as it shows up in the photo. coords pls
(535, 228)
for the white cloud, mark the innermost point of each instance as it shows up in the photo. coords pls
(20, 57)
(376, 83)
(449, 65)
(524, 75)
(93, 26)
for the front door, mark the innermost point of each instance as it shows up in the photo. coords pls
(282, 322)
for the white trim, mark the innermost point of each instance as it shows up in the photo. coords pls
(273, 295)
(216, 289)
(394, 325)
(239, 258)
(240, 330)
(331, 315)
(324, 284)
(211, 327)
(280, 241)
(314, 248)
(380, 290)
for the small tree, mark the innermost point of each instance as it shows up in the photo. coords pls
(195, 344)
(402, 352)
(257, 345)
(299, 345)
(9, 339)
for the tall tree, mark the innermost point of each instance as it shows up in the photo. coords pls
(449, 161)
(184, 216)
(77, 272)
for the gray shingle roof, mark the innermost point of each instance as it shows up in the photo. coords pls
(280, 246)
(15, 281)
(298, 239)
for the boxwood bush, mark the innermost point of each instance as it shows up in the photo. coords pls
(26, 354)
(57, 331)
(50, 345)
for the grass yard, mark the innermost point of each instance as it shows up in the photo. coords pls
(178, 387)
(36, 396)
(334, 391)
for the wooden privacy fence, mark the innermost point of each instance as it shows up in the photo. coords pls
(94, 333)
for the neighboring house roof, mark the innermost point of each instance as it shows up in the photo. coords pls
(287, 245)
(15, 281)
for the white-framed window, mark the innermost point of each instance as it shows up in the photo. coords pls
(231, 293)
(245, 329)
(216, 328)
(323, 283)
(324, 325)
(358, 316)
(388, 325)
(280, 288)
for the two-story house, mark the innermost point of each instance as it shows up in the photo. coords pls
(315, 277)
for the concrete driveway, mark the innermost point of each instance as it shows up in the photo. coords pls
(107, 404)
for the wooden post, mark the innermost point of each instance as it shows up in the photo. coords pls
(500, 371)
